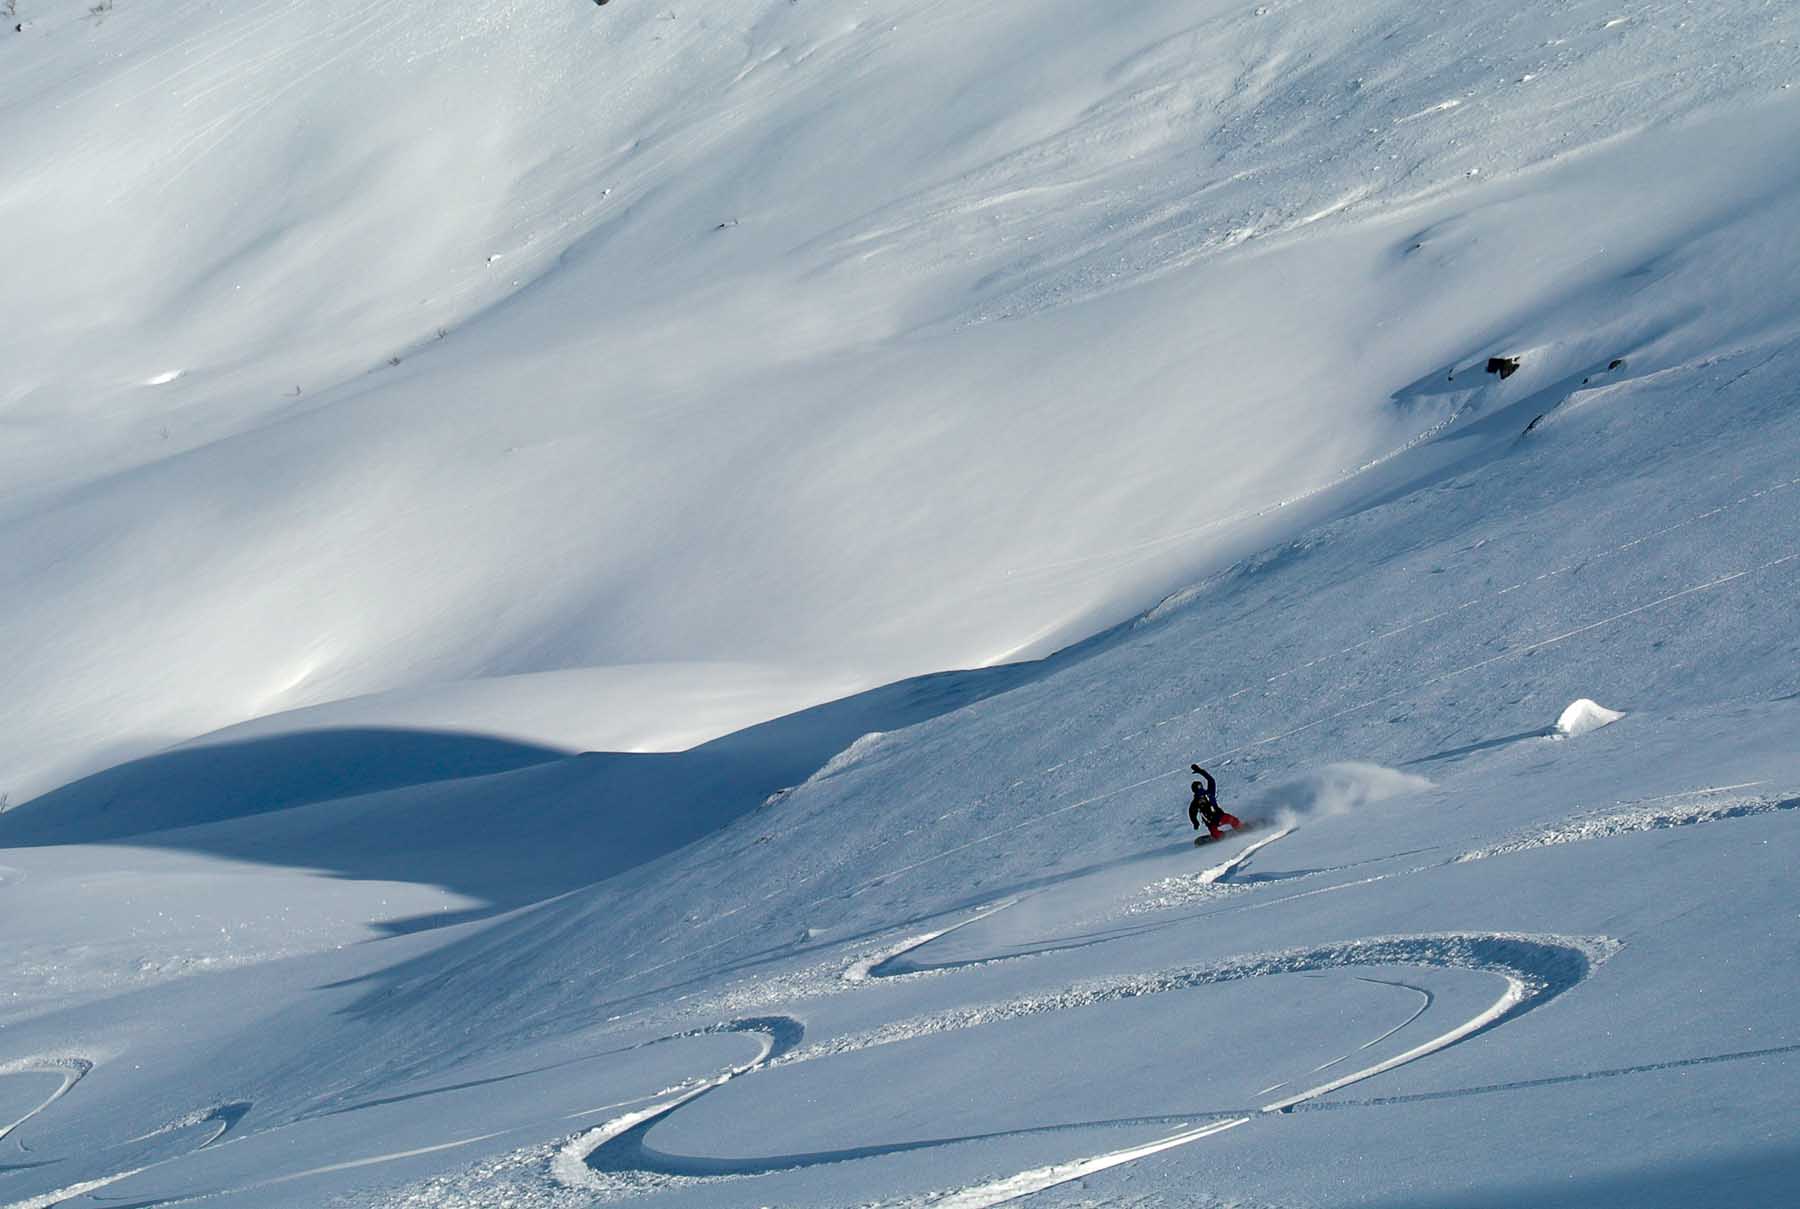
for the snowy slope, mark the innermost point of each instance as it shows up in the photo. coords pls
(806, 441)
(791, 352)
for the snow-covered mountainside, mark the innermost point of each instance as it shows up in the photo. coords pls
(613, 603)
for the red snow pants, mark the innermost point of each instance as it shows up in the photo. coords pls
(1213, 828)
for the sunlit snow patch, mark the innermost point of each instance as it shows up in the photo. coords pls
(1584, 716)
(163, 379)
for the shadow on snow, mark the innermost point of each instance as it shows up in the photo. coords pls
(504, 822)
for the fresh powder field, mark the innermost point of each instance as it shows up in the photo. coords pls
(614, 603)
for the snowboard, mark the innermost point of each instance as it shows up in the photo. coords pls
(1203, 839)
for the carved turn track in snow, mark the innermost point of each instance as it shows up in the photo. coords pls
(1220, 872)
(70, 1070)
(134, 1155)
(616, 1159)
(1685, 809)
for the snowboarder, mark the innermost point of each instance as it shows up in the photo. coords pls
(1206, 806)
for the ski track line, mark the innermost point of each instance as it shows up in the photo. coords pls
(1156, 896)
(610, 1160)
(371, 1161)
(184, 45)
(780, 1037)
(1557, 1080)
(367, 29)
(879, 964)
(1041, 1178)
(70, 1070)
(1426, 999)
(1634, 817)
(225, 1116)
(228, 1115)
(594, 1112)
(1597, 826)
(1218, 873)
(48, 1200)
(229, 1118)
(51, 1199)
(1267, 740)
(614, 1159)
(1516, 993)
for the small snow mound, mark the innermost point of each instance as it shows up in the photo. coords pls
(1584, 716)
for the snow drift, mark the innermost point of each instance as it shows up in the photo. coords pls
(1583, 717)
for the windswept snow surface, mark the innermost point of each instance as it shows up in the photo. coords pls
(494, 502)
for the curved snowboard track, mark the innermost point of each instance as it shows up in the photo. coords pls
(221, 1118)
(70, 1070)
(616, 1160)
